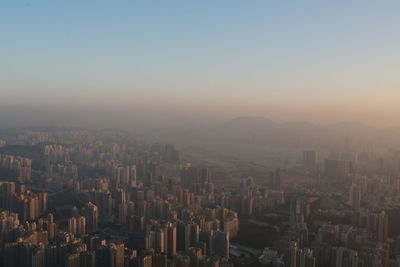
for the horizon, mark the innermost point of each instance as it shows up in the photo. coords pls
(154, 119)
(199, 133)
(316, 62)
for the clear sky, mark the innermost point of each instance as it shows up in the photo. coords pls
(289, 60)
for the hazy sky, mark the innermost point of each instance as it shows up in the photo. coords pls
(288, 60)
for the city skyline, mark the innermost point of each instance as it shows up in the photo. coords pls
(199, 133)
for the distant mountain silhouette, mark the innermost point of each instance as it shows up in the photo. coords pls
(257, 136)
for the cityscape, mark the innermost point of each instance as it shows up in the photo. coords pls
(76, 197)
(199, 133)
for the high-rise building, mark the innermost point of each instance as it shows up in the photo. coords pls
(105, 257)
(382, 226)
(306, 258)
(293, 259)
(87, 259)
(6, 189)
(195, 255)
(355, 196)
(183, 236)
(81, 225)
(37, 256)
(276, 181)
(122, 213)
(171, 237)
(72, 225)
(206, 238)
(124, 176)
(111, 255)
(182, 260)
(71, 260)
(296, 214)
(136, 223)
(220, 244)
(92, 217)
(194, 233)
(160, 260)
(159, 240)
(118, 250)
(51, 254)
(310, 159)
(346, 257)
(146, 261)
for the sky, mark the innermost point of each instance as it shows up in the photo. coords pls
(318, 61)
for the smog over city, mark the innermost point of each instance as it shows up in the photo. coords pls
(199, 133)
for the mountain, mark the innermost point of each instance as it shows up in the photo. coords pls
(254, 137)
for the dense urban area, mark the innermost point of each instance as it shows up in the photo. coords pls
(74, 197)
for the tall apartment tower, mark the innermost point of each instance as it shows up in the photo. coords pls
(171, 237)
(72, 225)
(355, 196)
(92, 217)
(81, 225)
(310, 159)
(220, 244)
(183, 236)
